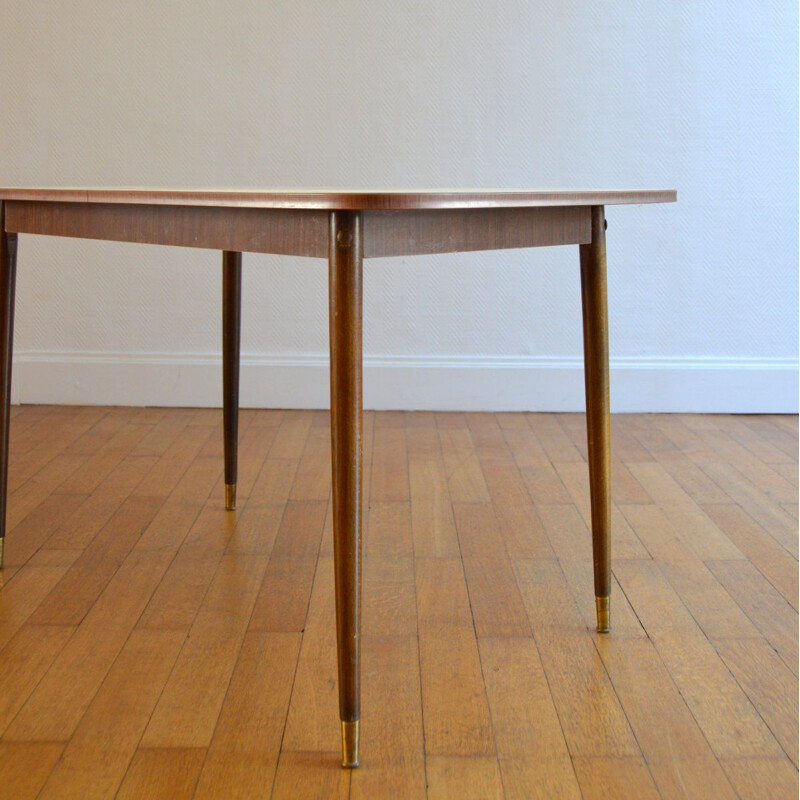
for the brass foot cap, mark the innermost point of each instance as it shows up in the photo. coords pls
(350, 744)
(2, 542)
(603, 614)
(230, 496)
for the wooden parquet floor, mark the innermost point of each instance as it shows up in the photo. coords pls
(154, 646)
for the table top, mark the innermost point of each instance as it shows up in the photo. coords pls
(394, 200)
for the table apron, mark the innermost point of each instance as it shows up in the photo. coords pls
(252, 230)
(401, 233)
(303, 232)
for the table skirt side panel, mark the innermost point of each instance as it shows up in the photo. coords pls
(406, 233)
(251, 230)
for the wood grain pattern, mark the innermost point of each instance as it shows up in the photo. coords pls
(203, 663)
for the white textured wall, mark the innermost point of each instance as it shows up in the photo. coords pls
(700, 96)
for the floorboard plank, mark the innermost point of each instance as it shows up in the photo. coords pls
(244, 752)
(96, 759)
(679, 758)
(162, 774)
(774, 618)
(763, 778)
(603, 778)
(55, 708)
(525, 723)
(591, 716)
(24, 767)
(455, 710)
(189, 706)
(728, 719)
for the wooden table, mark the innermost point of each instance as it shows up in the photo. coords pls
(345, 228)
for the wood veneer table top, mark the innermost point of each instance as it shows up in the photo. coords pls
(344, 200)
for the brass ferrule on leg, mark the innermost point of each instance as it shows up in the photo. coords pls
(350, 744)
(2, 542)
(230, 496)
(603, 614)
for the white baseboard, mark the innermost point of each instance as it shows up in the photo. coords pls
(695, 384)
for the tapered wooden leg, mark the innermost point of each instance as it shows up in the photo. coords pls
(345, 291)
(595, 348)
(8, 276)
(231, 335)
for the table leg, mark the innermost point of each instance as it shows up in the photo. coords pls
(595, 346)
(231, 334)
(8, 276)
(345, 293)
